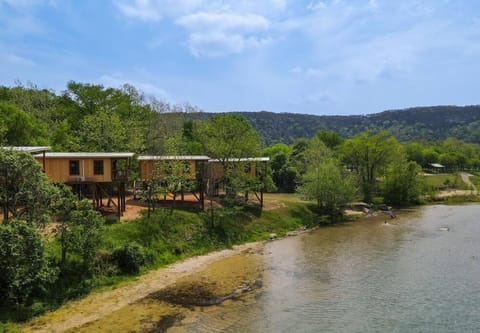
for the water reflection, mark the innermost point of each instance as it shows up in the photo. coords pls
(366, 277)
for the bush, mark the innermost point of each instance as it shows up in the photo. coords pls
(130, 258)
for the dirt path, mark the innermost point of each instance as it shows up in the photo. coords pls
(98, 305)
(466, 179)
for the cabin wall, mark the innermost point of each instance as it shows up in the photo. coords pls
(58, 169)
(148, 166)
(215, 169)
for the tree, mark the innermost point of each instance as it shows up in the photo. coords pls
(331, 139)
(24, 269)
(20, 128)
(368, 154)
(403, 183)
(329, 185)
(228, 137)
(81, 233)
(25, 191)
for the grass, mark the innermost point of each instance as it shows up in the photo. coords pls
(167, 236)
(449, 180)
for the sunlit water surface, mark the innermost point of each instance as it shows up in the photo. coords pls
(407, 276)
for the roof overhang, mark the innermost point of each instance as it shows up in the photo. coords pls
(87, 155)
(29, 149)
(174, 158)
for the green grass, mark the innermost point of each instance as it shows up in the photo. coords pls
(167, 236)
(449, 180)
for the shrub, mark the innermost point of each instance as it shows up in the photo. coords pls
(130, 257)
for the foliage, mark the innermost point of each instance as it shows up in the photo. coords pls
(25, 191)
(25, 271)
(368, 154)
(403, 184)
(81, 233)
(130, 258)
(328, 185)
(19, 128)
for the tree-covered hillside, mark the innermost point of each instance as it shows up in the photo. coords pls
(96, 118)
(420, 123)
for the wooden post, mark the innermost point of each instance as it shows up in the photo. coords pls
(119, 205)
(44, 161)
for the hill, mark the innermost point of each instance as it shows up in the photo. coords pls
(419, 123)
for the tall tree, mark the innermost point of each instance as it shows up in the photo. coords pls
(368, 154)
(25, 191)
(329, 185)
(25, 270)
(228, 137)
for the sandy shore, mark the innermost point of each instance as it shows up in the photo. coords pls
(100, 304)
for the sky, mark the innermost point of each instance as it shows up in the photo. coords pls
(331, 57)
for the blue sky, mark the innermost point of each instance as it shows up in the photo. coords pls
(319, 57)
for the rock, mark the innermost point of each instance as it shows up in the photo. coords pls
(444, 229)
(272, 236)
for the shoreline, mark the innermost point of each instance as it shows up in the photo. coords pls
(99, 304)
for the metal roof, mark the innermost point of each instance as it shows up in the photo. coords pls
(436, 165)
(29, 149)
(184, 157)
(244, 159)
(86, 155)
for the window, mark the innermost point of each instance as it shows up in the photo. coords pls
(74, 167)
(98, 167)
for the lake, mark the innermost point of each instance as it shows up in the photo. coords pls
(407, 276)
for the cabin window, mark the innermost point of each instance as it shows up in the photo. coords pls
(74, 167)
(98, 167)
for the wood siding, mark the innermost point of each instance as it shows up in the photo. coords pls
(148, 166)
(58, 169)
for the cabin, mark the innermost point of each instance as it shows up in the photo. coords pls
(207, 175)
(190, 168)
(157, 167)
(254, 167)
(97, 176)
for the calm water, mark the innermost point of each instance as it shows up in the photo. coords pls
(364, 277)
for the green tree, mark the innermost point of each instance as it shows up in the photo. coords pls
(25, 191)
(368, 154)
(327, 184)
(81, 233)
(403, 184)
(228, 137)
(331, 139)
(20, 128)
(25, 271)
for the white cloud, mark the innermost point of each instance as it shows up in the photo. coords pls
(211, 22)
(150, 89)
(15, 59)
(214, 27)
(217, 34)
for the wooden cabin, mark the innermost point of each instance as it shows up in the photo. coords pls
(157, 167)
(101, 177)
(252, 166)
(86, 167)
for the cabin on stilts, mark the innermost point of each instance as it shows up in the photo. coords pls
(185, 170)
(252, 169)
(101, 177)
(204, 176)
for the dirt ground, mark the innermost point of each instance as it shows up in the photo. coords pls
(101, 304)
